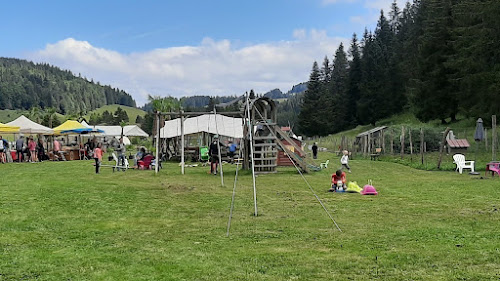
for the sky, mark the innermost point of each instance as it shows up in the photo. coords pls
(188, 47)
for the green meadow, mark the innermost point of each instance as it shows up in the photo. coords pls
(61, 221)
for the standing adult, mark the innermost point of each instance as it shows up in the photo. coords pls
(3, 148)
(40, 149)
(32, 148)
(214, 155)
(121, 150)
(315, 150)
(98, 157)
(19, 148)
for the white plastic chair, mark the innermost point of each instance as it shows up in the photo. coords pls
(325, 164)
(118, 166)
(459, 160)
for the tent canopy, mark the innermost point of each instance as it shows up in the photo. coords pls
(68, 126)
(209, 123)
(8, 129)
(82, 131)
(129, 131)
(26, 126)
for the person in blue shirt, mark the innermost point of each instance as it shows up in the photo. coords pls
(232, 149)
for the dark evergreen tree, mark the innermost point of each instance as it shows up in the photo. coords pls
(107, 118)
(353, 82)
(339, 86)
(477, 44)
(120, 116)
(311, 122)
(434, 91)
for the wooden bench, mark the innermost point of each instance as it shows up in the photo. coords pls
(376, 155)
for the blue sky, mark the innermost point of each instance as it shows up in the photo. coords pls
(189, 47)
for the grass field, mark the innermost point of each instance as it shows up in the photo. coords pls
(61, 221)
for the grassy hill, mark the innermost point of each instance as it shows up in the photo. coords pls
(8, 115)
(25, 84)
(132, 112)
(463, 124)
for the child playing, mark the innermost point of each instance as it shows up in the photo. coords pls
(338, 181)
(345, 160)
(97, 157)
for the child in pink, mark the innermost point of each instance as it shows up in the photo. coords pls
(98, 157)
(32, 148)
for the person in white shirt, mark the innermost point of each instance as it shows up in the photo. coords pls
(345, 160)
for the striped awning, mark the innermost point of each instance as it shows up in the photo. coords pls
(458, 143)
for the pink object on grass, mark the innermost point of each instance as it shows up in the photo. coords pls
(369, 190)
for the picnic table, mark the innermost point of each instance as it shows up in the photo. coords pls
(493, 167)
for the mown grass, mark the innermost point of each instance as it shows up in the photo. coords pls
(61, 221)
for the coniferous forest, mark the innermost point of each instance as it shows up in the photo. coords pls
(437, 58)
(24, 85)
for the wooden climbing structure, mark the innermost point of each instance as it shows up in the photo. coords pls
(267, 138)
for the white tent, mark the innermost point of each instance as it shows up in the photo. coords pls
(225, 126)
(129, 130)
(126, 141)
(134, 131)
(26, 126)
(85, 124)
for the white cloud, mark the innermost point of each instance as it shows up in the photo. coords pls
(383, 4)
(211, 68)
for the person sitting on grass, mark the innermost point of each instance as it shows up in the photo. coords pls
(338, 182)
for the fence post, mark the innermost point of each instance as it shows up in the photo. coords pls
(411, 142)
(392, 141)
(486, 138)
(493, 137)
(441, 147)
(422, 145)
(402, 139)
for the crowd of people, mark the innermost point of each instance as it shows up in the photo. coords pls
(26, 150)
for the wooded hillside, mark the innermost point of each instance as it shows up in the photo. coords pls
(24, 85)
(436, 58)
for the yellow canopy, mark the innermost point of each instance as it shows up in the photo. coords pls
(68, 125)
(8, 129)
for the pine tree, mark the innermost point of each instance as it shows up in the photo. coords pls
(339, 82)
(434, 93)
(354, 80)
(310, 121)
(394, 17)
(477, 42)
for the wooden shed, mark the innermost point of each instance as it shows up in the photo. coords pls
(457, 145)
(369, 141)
